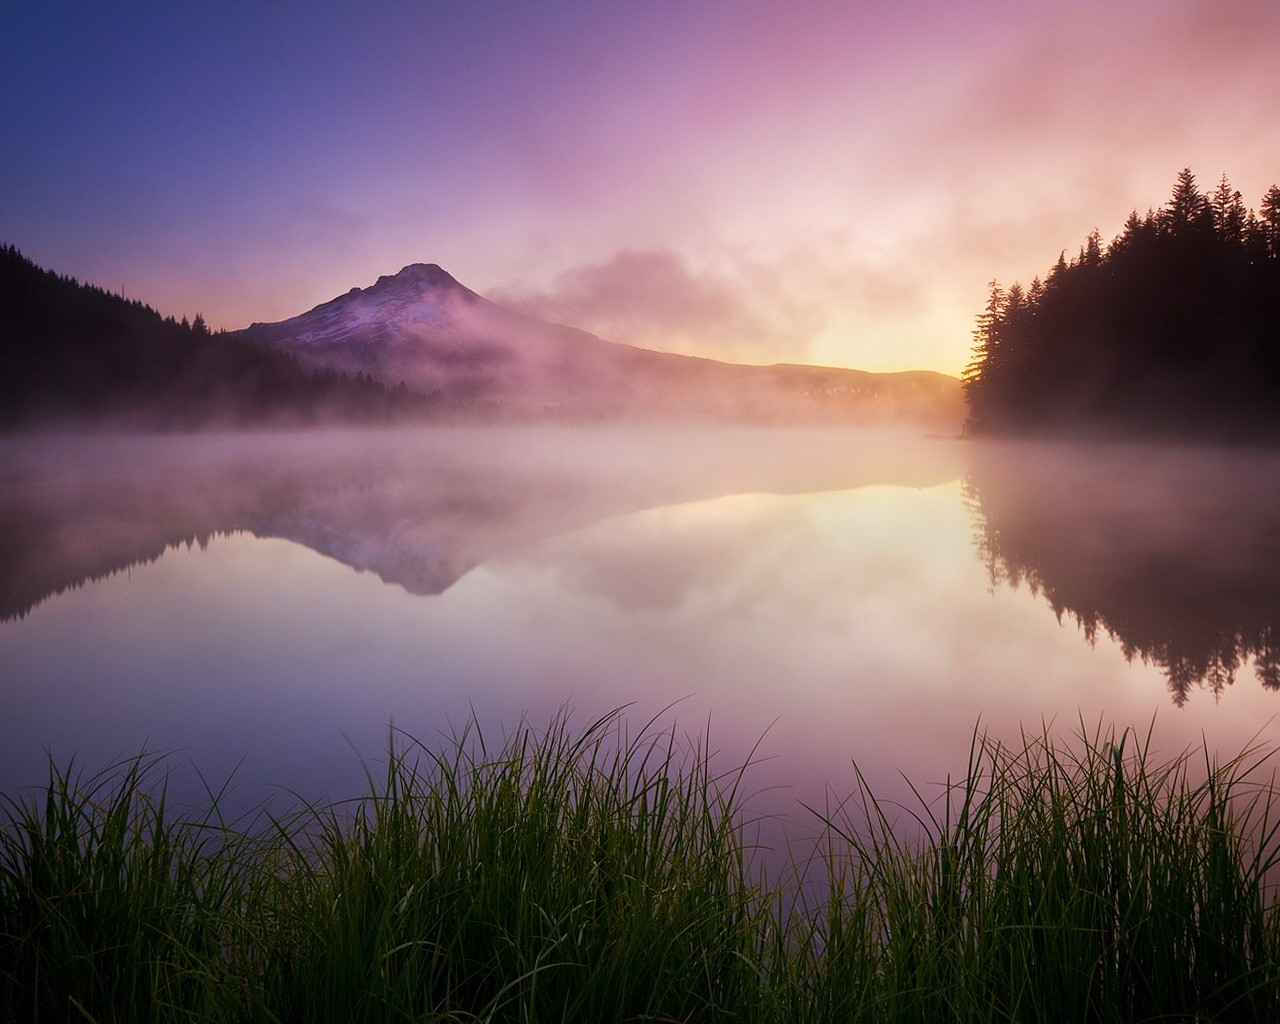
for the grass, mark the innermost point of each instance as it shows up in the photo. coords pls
(591, 875)
(1063, 883)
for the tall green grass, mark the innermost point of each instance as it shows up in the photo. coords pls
(112, 908)
(1062, 882)
(562, 877)
(591, 875)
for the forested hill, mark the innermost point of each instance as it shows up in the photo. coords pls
(1171, 330)
(75, 354)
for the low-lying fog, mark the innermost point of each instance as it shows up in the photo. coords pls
(268, 598)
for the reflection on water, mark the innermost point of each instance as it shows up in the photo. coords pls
(280, 599)
(1174, 553)
(419, 509)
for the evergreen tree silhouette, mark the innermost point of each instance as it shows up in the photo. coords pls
(1270, 221)
(73, 353)
(1228, 213)
(1188, 210)
(1173, 329)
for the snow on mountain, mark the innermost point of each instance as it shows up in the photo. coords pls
(422, 327)
(411, 300)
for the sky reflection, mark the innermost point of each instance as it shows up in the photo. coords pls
(855, 623)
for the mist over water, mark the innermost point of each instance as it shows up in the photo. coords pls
(1170, 551)
(272, 601)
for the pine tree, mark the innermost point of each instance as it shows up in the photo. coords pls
(979, 376)
(1091, 251)
(1187, 208)
(1228, 212)
(1168, 331)
(1269, 215)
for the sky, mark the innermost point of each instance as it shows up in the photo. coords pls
(756, 180)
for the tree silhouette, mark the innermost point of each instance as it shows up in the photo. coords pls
(1229, 213)
(73, 353)
(1173, 329)
(1188, 211)
(1270, 221)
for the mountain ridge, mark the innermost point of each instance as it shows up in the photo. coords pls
(415, 346)
(74, 355)
(426, 329)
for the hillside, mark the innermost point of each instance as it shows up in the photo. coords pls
(414, 346)
(423, 328)
(72, 354)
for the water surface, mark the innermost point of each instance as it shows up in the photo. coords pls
(275, 602)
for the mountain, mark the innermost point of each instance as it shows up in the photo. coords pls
(423, 328)
(73, 354)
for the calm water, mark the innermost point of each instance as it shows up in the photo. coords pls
(274, 602)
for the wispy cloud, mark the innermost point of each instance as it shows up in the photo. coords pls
(653, 298)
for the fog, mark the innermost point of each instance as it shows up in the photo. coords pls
(1173, 551)
(477, 360)
(419, 508)
(274, 600)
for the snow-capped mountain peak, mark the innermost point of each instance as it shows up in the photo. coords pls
(420, 297)
(415, 280)
(431, 274)
(421, 327)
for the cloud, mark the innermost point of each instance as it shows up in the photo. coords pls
(746, 310)
(1103, 111)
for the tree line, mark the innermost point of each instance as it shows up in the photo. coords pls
(1170, 330)
(72, 353)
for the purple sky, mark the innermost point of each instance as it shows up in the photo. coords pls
(815, 182)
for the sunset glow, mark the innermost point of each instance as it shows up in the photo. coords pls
(828, 183)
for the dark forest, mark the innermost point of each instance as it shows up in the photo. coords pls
(72, 354)
(1170, 331)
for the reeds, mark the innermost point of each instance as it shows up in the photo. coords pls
(563, 877)
(589, 875)
(1062, 883)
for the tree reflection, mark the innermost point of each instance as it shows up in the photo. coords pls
(1172, 552)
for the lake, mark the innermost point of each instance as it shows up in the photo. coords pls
(269, 605)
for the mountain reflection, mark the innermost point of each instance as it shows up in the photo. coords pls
(419, 509)
(1172, 552)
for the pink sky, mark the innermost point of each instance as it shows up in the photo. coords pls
(764, 181)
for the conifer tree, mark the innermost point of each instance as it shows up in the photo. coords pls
(1091, 251)
(1228, 212)
(1269, 215)
(1187, 207)
(983, 369)
(1170, 330)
